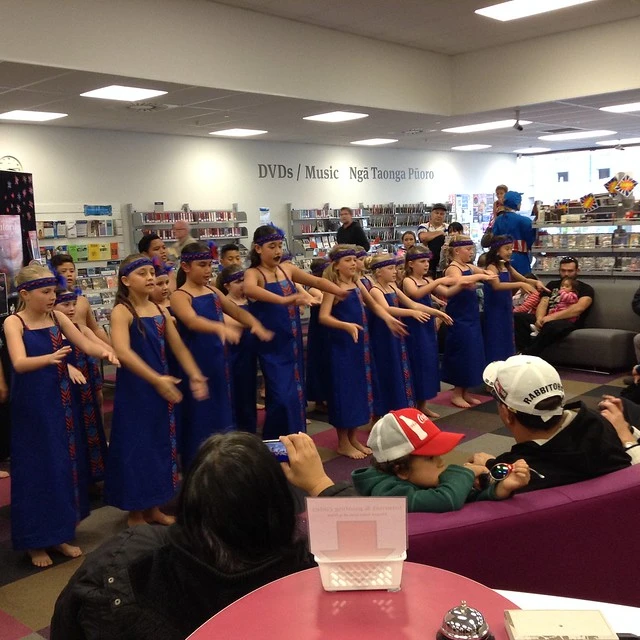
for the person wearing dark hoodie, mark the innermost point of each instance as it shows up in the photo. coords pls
(407, 449)
(561, 443)
(235, 531)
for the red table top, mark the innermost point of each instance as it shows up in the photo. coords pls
(297, 607)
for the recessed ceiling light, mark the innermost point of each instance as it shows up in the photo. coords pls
(614, 143)
(126, 94)
(337, 116)
(238, 133)
(622, 108)
(516, 9)
(471, 147)
(532, 150)
(31, 116)
(486, 126)
(373, 142)
(578, 135)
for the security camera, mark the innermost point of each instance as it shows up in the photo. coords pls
(518, 127)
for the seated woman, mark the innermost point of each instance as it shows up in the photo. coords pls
(235, 531)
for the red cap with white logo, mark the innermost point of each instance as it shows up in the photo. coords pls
(409, 432)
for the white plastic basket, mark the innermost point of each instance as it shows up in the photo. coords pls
(361, 574)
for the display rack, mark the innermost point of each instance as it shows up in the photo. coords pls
(606, 241)
(220, 225)
(97, 244)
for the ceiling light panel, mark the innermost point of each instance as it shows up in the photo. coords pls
(374, 142)
(337, 116)
(125, 94)
(471, 147)
(31, 116)
(238, 133)
(516, 9)
(578, 135)
(622, 108)
(614, 143)
(486, 126)
(532, 150)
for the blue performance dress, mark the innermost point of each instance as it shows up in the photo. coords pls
(46, 492)
(280, 361)
(464, 361)
(351, 388)
(422, 343)
(85, 399)
(391, 357)
(317, 354)
(142, 467)
(243, 362)
(499, 341)
(203, 418)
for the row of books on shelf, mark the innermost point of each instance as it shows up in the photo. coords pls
(83, 252)
(319, 226)
(215, 232)
(325, 213)
(592, 263)
(78, 228)
(319, 242)
(189, 216)
(411, 219)
(381, 235)
(619, 238)
(384, 220)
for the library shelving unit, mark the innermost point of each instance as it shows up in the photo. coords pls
(220, 225)
(605, 241)
(313, 231)
(97, 244)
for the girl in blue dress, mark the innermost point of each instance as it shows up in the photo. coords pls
(274, 299)
(391, 356)
(243, 358)
(422, 341)
(499, 338)
(317, 381)
(142, 468)
(199, 309)
(45, 491)
(464, 358)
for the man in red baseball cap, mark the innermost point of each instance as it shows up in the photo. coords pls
(407, 449)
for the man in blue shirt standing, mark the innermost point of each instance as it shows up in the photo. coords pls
(511, 223)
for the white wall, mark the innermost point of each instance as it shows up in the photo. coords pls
(90, 166)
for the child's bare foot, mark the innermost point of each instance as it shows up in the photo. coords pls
(136, 518)
(155, 515)
(259, 406)
(459, 401)
(470, 399)
(68, 550)
(356, 444)
(40, 558)
(430, 414)
(349, 451)
(4, 474)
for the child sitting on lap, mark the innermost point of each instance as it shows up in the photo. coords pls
(407, 449)
(566, 296)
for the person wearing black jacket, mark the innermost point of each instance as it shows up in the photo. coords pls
(561, 444)
(351, 232)
(235, 531)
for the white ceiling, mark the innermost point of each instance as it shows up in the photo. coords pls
(195, 111)
(442, 26)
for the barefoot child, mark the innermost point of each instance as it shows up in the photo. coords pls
(270, 286)
(142, 469)
(464, 359)
(45, 496)
(200, 311)
(422, 341)
(407, 461)
(243, 358)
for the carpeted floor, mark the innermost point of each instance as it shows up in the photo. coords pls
(27, 594)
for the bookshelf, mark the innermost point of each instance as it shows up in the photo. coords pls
(220, 225)
(606, 241)
(97, 244)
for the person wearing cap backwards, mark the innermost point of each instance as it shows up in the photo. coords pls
(561, 443)
(511, 223)
(432, 235)
(407, 449)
